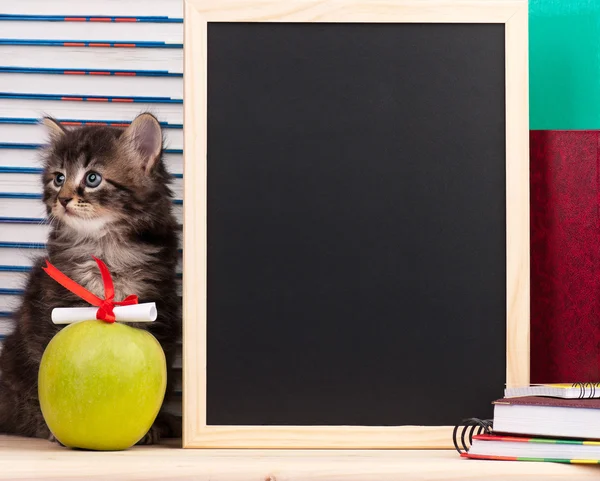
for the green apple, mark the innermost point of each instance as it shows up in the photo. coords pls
(101, 385)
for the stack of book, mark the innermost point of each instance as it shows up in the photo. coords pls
(550, 422)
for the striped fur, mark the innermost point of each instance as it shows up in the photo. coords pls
(127, 222)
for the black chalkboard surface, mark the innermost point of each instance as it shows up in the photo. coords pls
(356, 203)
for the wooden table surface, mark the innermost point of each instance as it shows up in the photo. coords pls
(37, 459)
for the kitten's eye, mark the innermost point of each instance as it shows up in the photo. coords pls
(59, 179)
(92, 179)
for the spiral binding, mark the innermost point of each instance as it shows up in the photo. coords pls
(483, 426)
(584, 387)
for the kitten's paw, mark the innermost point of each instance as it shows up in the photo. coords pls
(152, 437)
(53, 439)
(42, 432)
(165, 426)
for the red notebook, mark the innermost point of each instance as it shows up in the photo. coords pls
(565, 256)
(534, 449)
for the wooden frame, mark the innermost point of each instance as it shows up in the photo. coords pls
(511, 13)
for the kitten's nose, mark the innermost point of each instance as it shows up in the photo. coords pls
(65, 200)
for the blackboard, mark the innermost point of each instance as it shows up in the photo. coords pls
(356, 223)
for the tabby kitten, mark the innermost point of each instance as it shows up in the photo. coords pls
(107, 194)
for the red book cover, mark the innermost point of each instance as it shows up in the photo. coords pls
(565, 253)
(550, 402)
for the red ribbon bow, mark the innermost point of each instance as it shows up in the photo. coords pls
(106, 305)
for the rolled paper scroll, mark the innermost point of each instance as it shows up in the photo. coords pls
(107, 309)
(133, 313)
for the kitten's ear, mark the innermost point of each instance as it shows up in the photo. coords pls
(144, 139)
(55, 130)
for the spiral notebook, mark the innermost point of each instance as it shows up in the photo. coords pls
(577, 390)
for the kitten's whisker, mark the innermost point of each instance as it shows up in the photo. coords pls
(49, 220)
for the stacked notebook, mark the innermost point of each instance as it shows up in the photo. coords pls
(82, 62)
(556, 423)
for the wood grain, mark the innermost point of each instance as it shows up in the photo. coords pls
(27, 459)
(513, 13)
(469, 11)
(322, 437)
(194, 225)
(517, 199)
